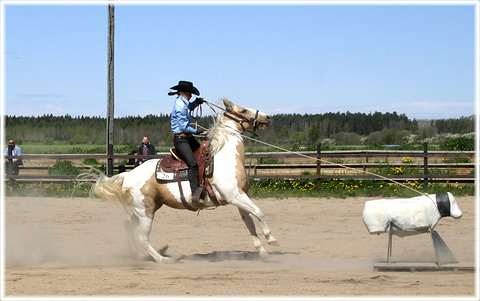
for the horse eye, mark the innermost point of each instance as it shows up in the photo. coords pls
(244, 111)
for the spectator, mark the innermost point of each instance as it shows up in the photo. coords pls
(11, 165)
(145, 149)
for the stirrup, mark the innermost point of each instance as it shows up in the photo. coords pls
(196, 197)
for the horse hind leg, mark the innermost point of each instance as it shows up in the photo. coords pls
(142, 235)
(247, 219)
(130, 226)
(271, 240)
(138, 232)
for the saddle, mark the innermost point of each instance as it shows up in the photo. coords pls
(174, 164)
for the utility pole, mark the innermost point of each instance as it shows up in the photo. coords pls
(110, 58)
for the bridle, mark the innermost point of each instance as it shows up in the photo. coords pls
(242, 119)
(237, 117)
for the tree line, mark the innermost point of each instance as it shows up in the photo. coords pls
(287, 129)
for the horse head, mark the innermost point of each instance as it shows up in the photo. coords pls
(245, 118)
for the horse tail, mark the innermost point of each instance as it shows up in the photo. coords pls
(112, 189)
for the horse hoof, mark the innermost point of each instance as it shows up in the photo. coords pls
(273, 242)
(263, 253)
(165, 260)
(176, 259)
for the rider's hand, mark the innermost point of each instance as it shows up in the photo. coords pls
(200, 100)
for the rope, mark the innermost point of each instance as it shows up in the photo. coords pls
(211, 105)
(341, 165)
(251, 156)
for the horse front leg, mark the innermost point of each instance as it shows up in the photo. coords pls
(247, 209)
(247, 219)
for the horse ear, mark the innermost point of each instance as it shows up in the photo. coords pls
(228, 104)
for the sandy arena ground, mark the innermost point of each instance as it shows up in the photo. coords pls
(77, 247)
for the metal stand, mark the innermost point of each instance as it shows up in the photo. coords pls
(389, 251)
(442, 252)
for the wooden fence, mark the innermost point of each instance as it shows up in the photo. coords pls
(430, 166)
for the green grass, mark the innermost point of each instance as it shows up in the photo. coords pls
(65, 189)
(40, 148)
(273, 188)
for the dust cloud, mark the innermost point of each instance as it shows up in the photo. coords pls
(36, 237)
(76, 233)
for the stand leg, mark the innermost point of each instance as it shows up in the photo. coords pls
(389, 252)
(442, 252)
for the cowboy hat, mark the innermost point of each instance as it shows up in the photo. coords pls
(184, 86)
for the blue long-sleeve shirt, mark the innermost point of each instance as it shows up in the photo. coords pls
(16, 151)
(181, 115)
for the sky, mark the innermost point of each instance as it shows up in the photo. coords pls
(280, 58)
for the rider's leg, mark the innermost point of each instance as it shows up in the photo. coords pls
(184, 150)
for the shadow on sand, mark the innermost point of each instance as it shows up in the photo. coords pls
(232, 255)
(217, 256)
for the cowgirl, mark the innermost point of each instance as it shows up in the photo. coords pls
(183, 138)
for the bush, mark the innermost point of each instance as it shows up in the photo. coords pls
(62, 168)
(79, 139)
(127, 149)
(98, 139)
(91, 161)
(347, 138)
(48, 141)
(456, 160)
(458, 144)
(91, 150)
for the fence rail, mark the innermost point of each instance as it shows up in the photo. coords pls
(289, 165)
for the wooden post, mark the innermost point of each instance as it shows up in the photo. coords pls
(425, 165)
(319, 164)
(10, 161)
(366, 161)
(10, 165)
(110, 104)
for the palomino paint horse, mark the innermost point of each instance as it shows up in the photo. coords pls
(141, 195)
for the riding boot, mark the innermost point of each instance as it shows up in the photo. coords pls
(196, 191)
(196, 200)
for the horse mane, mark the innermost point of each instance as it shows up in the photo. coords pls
(218, 134)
